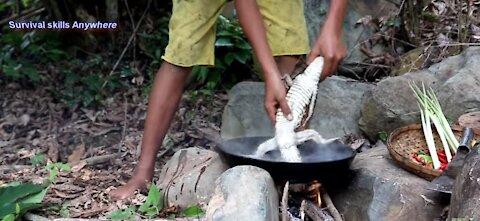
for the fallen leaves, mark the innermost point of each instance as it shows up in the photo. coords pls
(32, 124)
(77, 154)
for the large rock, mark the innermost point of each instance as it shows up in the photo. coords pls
(456, 81)
(337, 109)
(189, 176)
(244, 193)
(466, 190)
(380, 190)
(316, 12)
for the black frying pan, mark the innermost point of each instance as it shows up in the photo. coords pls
(319, 162)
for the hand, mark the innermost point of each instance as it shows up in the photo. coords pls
(330, 46)
(275, 97)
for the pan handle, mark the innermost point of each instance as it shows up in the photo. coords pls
(466, 141)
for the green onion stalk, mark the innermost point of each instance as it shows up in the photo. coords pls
(431, 112)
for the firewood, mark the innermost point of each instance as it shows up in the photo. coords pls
(284, 203)
(315, 212)
(330, 206)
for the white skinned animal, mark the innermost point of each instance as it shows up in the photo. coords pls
(301, 98)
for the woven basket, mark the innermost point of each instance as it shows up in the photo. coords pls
(404, 141)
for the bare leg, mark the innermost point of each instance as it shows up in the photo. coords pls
(163, 102)
(286, 63)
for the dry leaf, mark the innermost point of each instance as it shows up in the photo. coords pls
(68, 188)
(357, 143)
(80, 165)
(53, 150)
(77, 154)
(24, 119)
(65, 195)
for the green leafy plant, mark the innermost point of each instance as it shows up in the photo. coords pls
(126, 214)
(16, 199)
(231, 49)
(152, 205)
(62, 210)
(383, 136)
(55, 169)
(193, 211)
(38, 159)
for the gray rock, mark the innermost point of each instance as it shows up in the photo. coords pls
(244, 193)
(455, 80)
(337, 109)
(189, 176)
(465, 199)
(316, 12)
(381, 190)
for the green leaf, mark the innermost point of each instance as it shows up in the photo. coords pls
(10, 71)
(152, 205)
(243, 45)
(242, 57)
(229, 58)
(62, 166)
(193, 211)
(12, 208)
(152, 211)
(64, 211)
(223, 42)
(36, 198)
(171, 216)
(127, 214)
(37, 159)
(12, 194)
(383, 136)
(9, 217)
(53, 175)
(224, 33)
(31, 73)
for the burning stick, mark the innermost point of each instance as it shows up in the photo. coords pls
(328, 201)
(284, 203)
(315, 212)
(302, 211)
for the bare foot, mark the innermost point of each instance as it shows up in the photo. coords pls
(139, 181)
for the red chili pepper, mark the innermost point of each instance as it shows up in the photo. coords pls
(443, 167)
(417, 158)
(429, 165)
(442, 157)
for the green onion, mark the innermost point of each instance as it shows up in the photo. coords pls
(431, 112)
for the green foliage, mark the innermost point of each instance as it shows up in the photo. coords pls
(231, 49)
(151, 208)
(193, 211)
(62, 210)
(38, 159)
(55, 169)
(152, 205)
(18, 198)
(9, 217)
(126, 214)
(383, 136)
(21, 50)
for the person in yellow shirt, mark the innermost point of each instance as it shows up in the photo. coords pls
(277, 31)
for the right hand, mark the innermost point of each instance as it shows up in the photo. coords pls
(275, 98)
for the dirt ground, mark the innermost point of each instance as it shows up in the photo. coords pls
(35, 129)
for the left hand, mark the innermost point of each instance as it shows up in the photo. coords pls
(331, 47)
